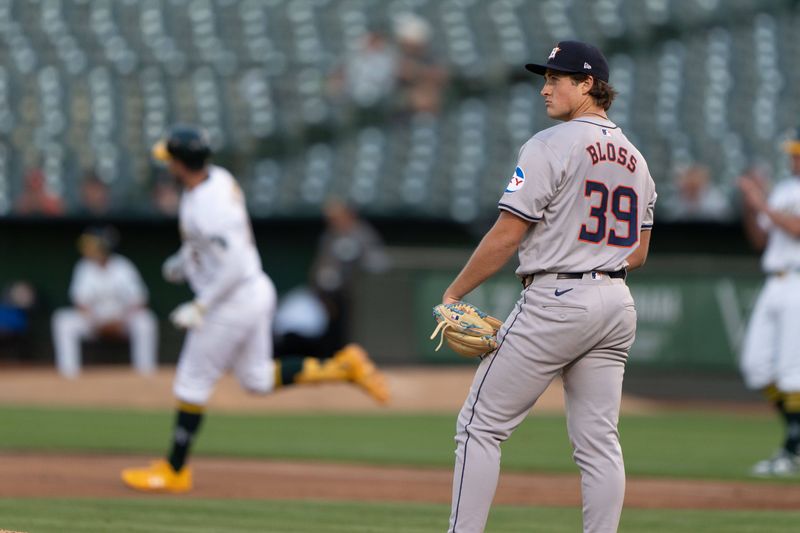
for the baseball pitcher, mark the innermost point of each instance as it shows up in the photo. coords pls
(229, 320)
(578, 210)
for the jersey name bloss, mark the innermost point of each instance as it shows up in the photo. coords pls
(589, 191)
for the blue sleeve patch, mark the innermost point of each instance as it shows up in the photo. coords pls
(517, 180)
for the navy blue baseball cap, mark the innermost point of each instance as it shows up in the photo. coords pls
(574, 57)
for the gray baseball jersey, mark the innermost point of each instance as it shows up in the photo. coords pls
(590, 195)
(589, 191)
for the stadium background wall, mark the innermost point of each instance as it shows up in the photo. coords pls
(693, 297)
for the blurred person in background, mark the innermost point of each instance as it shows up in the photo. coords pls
(348, 247)
(36, 198)
(228, 321)
(367, 76)
(696, 197)
(421, 77)
(166, 197)
(109, 299)
(17, 301)
(770, 359)
(95, 196)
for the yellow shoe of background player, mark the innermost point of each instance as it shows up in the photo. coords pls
(158, 477)
(360, 369)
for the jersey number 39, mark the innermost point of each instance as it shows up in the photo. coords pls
(624, 208)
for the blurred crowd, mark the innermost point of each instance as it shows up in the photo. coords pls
(691, 196)
(94, 199)
(282, 78)
(394, 73)
(391, 74)
(694, 197)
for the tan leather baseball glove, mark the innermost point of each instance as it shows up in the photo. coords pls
(468, 330)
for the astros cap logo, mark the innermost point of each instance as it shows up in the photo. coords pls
(573, 57)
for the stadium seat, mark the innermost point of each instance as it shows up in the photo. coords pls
(92, 84)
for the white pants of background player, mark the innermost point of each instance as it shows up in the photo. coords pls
(235, 335)
(772, 345)
(70, 327)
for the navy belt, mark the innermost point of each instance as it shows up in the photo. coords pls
(617, 274)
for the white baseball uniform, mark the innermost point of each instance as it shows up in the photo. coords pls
(113, 292)
(770, 353)
(589, 193)
(220, 260)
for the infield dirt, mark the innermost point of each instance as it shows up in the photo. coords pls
(28, 476)
(419, 390)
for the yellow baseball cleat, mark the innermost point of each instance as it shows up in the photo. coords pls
(360, 369)
(158, 477)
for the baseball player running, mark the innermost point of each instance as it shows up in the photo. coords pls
(578, 209)
(770, 359)
(229, 320)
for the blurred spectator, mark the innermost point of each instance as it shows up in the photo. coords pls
(35, 198)
(347, 247)
(109, 298)
(95, 198)
(420, 75)
(757, 175)
(166, 197)
(367, 76)
(695, 197)
(17, 302)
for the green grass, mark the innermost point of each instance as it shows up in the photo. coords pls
(171, 515)
(698, 445)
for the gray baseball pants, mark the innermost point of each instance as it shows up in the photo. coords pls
(580, 329)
